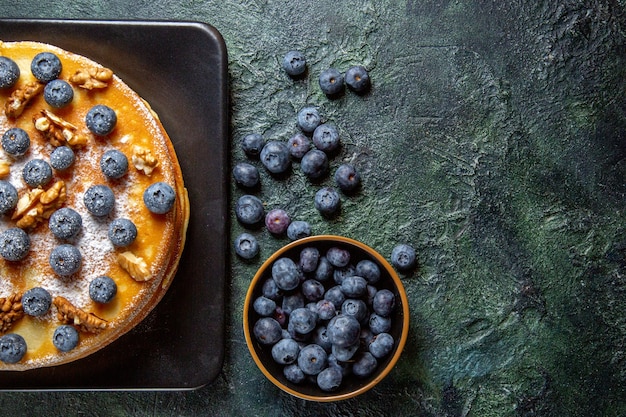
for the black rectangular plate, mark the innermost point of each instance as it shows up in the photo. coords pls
(180, 68)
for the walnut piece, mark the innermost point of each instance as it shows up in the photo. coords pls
(58, 131)
(69, 314)
(5, 168)
(20, 98)
(144, 160)
(38, 205)
(10, 311)
(93, 77)
(134, 265)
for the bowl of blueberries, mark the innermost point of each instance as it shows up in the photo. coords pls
(326, 318)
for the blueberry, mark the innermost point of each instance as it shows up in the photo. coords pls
(364, 365)
(326, 137)
(368, 270)
(331, 81)
(326, 309)
(335, 296)
(15, 141)
(347, 178)
(354, 286)
(101, 120)
(122, 232)
(281, 317)
(344, 353)
(12, 348)
(9, 72)
(277, 221)
(403, 257)
(379, 324)
(312, 290)
(339, 274)
(312, 359)
(264, 306)
(267, 331)
(344, 367)
(298, 229)
(8, 197)
(99, 200)
(62, 158)
(308, 119)
(329, 379)
(46, 66)
(65, 259)
(37, 172)
(302, 320)
(294, 63)
(14, 244)
(320, 338)
(246, 175)
(383, 303)
(159, 197)
(357, 78)
(270, 290)
(286, 274)
(309, 257)
(355, 308)
(36, 301)
(246, 246)
(65, 223)
(275, 157)
(338, 257)
(285, 351)
(327, 201)
(102, 289)
(58, 93)
(324, 270)
(294, 374)
(252, 144)
(291, 302)
(344, 330)
(114, 164)
(314, 164)
(298, 145)
(381, 345)
(249, 210)
(65, 338)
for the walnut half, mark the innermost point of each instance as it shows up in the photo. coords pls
(93, 77)
(10, 311)
(69, 314)
(58, 131)
(134, 265)
(20, 98)
(144, 160)
(38, 205)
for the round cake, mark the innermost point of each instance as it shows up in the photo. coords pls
(93, 208)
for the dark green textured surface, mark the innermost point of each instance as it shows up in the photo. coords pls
(492, 141)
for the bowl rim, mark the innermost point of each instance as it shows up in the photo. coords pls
(396, 281)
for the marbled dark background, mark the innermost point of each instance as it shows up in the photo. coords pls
(493, 141)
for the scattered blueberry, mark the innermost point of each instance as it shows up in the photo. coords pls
(338, 256)
(308, 119)
(114, 164)
(99, 200)
(326, 137)
(65, 223)
(327, 201)
(331, 81)
(62, 158)
(9, 72)
(14, 244)
(58, 93)
(15, 141)
(312, 359)
(264, 306)
(298, 145)
(36, 301)
(314, 164)
(381, 345)
(383, 303)
(249, 210)
(293, 373)
(252, 144)
(343, 330)
(403, 257)
(286, 274)
(329, 379)
(102, 289)
(298, 229)
(277, 221)
(357, 78)
(65, 259)
(309, 258)
(285, 351)
(12, 348)
(275, 157)
(159, 197)
(267, 331)
(101, 120)
(37, 172)
(368, 270)
(294, 63)
(122, 232)
(312, 290)
(347, 178)
(354, 286)
(8, 197)
(65, 338)
(46, 66)
(246, 175)
(364, 365)
(246, 246)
